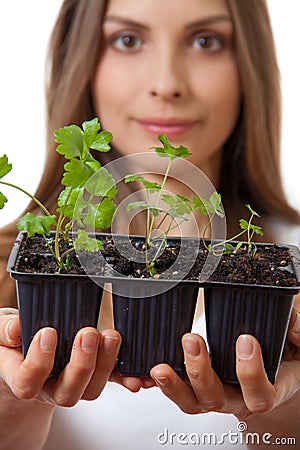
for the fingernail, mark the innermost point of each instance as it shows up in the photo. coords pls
(7, 334)
(244, 347)
(48, 340)
(110, 343)
(191, 347)
(89, 341)
(296, 326)
(162, 381)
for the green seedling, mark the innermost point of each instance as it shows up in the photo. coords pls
(85, 201)
(177, 208)
(247, 228)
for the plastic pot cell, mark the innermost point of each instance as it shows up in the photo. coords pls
(260, 310)
(64, 302)
(152, 326)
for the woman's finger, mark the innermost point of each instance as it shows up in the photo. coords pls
(205, 393)
(10, 330)
(75, 377)
(176, 389)
(133, 384)
(27, 377)
(7, 311)
(206, 385)
(110, 341)
(294, 328)
(258, 393)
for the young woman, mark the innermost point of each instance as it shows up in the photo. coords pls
(204, 73)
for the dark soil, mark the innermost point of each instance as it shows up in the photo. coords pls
(270, 265)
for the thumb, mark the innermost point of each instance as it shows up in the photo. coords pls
(294, 328)
(10, 335)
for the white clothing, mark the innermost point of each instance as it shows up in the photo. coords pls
(120, 419)
(285, 232)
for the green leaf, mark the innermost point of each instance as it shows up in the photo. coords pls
(100, 216)
(131, 177)
(212, 206)
(36, 224)
(183, 198)
(102, 184)
(215, 201)
(169, 199)
(5, 166)
(200, 205)
(228, 249)
(80, 210)
(169, 151)
(173, 212)
(238, 246)
(209, 207)
(149, 185)
(85, 242)
(257, 230)
(155, 211)
(70, 141)
(67, 200)
(244, 225)
(152, 270)
(3, 200)
(182, 205)
(136, 205)
(252, 211)
(90, 131)
(76, 173)
(92, 163)
(101, 143)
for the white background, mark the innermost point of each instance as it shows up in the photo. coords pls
(24, 31)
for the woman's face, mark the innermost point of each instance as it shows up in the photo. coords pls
(168, 67)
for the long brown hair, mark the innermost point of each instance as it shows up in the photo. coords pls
(251, 157)
(250, 171)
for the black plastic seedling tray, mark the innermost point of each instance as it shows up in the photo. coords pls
(153, 314)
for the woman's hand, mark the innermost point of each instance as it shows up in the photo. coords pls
(91, 363)
(204, 392)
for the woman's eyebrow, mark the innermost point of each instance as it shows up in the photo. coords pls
(125, 21)
(209, 20)
(201, 22)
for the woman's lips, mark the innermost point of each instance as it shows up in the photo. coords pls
(170, 127)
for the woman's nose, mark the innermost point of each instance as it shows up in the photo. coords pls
(167, 81)
(158, 92)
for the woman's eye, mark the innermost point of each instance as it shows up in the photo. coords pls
(207, 43)
(127, 42)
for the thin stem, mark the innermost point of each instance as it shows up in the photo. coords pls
(147, 231)
(249, 236)
(170, 228)
(67, 252)
(49, 246)
(160, 194)
(177, 225)
(230, 239)
(59, 224)
(36, 201)
(162, 241)
(158, 250)
(205, 229)
(162, 220)
(147, 238)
